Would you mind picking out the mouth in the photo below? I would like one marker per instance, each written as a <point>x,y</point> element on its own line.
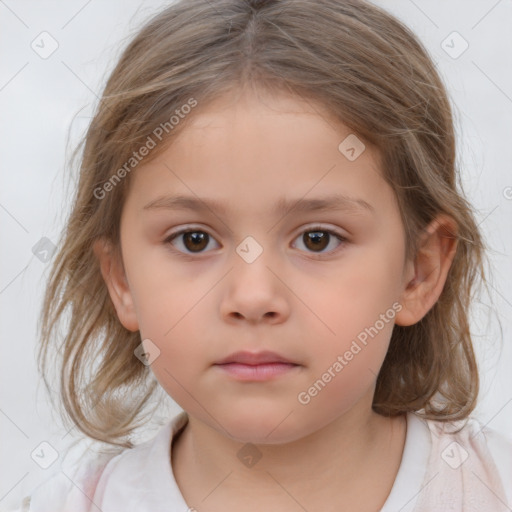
<point>252,366</point>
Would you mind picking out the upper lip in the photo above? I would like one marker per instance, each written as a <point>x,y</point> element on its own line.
<point>254,358</point>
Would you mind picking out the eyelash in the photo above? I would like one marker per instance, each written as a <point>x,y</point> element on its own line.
<point>340,238</point>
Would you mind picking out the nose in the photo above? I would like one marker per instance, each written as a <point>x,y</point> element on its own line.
<point>256,293</point>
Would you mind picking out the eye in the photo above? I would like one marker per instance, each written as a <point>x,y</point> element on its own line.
<point>317,239</point>
<point>193,240</point>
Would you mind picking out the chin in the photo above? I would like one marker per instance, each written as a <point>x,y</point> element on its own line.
<point>263,427</point>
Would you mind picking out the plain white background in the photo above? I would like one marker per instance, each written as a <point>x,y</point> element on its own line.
<point>41,98</point>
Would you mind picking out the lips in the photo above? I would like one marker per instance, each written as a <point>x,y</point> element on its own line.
<point>255,358</point>
<point>256,366</point>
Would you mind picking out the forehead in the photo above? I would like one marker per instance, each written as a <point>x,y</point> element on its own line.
<point>247,149</point>
<point>275,120</point>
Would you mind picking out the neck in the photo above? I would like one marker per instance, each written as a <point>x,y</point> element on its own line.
<point>340,460</point>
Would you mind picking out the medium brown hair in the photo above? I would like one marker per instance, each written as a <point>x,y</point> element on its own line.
<point>349,56</point>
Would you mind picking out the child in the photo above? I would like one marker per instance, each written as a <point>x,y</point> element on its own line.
<point>317,335</point>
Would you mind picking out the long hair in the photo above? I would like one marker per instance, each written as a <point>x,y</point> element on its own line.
<point>372,74</point>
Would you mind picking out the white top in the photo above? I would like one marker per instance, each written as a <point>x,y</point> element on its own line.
<point>466,471</point>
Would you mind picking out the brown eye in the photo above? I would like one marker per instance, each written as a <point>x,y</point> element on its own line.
<point>314,241</point>
<point>192,241</point>
<point>317,240</point>
<point>195,240</point>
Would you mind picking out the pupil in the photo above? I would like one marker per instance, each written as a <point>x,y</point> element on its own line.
<point>318,239</point>
<point>199,240</point>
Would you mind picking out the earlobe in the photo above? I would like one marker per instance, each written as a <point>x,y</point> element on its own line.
<point>113,273</point>
<point>432,262</point>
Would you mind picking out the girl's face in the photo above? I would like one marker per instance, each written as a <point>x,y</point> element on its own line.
<point>269,190</point>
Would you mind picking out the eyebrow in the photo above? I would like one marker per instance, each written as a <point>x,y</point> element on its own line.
<point>336,202</point>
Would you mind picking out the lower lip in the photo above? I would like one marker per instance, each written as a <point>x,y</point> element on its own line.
<point>259,372</point>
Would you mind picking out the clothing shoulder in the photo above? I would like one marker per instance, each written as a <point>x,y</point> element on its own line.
<point>99,481</point>
<point>470,465</point>
<point>72,487</point>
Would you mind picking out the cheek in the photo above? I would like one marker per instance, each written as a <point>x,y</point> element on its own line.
<point>167,315</point>
<point>359,346</point>
<point>355,295</point>
<point>183,352</point>
<point>344,371</point>
<point>162,295</point>
<point>356,309</point>
<point>174,368</point>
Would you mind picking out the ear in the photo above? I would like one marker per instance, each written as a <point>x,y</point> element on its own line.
<point>428,270</point>
<point>113,273</point>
